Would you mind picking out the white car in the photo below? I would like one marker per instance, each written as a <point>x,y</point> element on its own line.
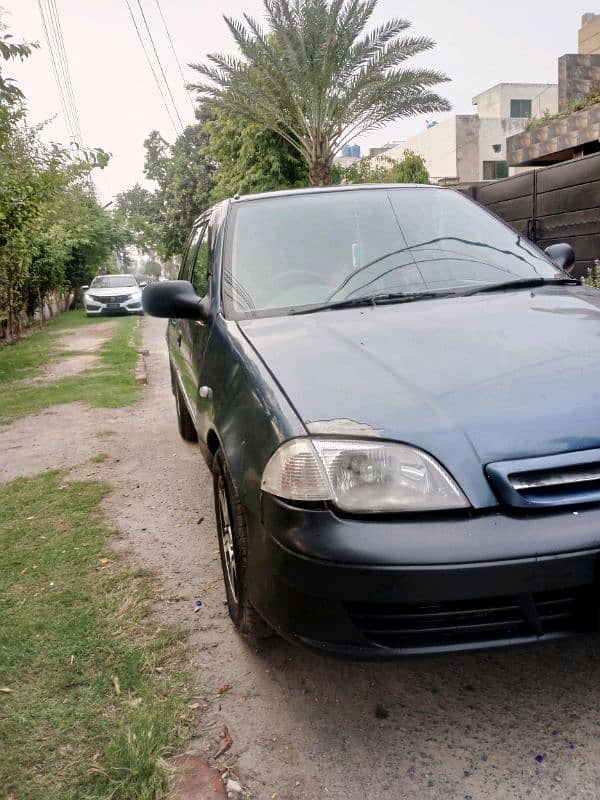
<point>113,294</point>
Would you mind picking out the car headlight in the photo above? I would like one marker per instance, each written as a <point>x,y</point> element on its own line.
<point>357,476</point>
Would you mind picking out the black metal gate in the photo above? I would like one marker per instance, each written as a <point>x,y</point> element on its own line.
<point>560,203</point>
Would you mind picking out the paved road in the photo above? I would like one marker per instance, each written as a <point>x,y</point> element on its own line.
<point>515,724</point>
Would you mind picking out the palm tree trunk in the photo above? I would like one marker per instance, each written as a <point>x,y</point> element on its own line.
<point>319,170</point>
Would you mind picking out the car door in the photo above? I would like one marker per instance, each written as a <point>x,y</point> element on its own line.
<point>178,332</point>
<point>195,333</point>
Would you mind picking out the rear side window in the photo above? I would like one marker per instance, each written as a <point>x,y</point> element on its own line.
<point>202,262</point>
<point>189,258</point>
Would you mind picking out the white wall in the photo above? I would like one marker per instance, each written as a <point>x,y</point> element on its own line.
<point>495,102</point>
<point>496,131</point>
<point>437,146</point>
<point>468,165</point>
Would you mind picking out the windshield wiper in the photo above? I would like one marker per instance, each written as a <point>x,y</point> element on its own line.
<point>370,300</point>
<point>522,283</point>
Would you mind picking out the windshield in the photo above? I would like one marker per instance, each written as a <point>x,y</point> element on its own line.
<point>113,281</point>
<point>297,250</point>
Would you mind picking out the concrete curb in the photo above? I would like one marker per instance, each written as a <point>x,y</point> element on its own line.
<point>141,373</point>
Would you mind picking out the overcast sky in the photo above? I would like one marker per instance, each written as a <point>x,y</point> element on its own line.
<point>479,44</point>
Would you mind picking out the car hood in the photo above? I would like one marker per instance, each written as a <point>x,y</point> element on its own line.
<point>113,291</point>
<point>471,380</point>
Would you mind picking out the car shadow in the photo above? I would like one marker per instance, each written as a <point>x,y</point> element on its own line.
<point>466,725</point>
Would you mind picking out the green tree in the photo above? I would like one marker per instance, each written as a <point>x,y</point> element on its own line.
<point>51,227</point>
<point>139,212</point>
<point>160,221</point>
<point>250,157</point>
<point>316,78</point>
<point>10,94</point>
<point>383,169</point>
<point>152,269</point>
<point>411,169</point>
<point>367,170</point>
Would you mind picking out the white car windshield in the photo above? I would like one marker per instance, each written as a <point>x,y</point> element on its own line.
<point>300,249</point>
<point>113,281</point>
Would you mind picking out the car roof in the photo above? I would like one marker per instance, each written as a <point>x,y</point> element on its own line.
<point>243,198</point>
<point>325,189</point>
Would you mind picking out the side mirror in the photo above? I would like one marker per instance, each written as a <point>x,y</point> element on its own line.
<point>85,287</point>
<point>562,256</point>
<point>143,284</point>
<point>177,299</point>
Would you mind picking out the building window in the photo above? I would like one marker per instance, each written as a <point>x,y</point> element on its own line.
<point>493,170</point>
<point>520,108</point>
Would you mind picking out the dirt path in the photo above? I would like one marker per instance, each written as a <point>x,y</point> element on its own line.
<point>517,724</point>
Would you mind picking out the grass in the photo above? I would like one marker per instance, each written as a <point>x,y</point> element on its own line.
<point>95,700</point>
<point>111,385</point>
<point>22,358</point>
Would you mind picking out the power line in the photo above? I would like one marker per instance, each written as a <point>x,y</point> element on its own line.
<point>164,22</point>
<point>62,75</point>
<point>156,81</point>
<point>162,72</point>
<point>66,72</point>
<point>57,77</point>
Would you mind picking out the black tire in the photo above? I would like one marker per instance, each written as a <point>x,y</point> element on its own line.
<point>233,547</point>
<point>185,423</point>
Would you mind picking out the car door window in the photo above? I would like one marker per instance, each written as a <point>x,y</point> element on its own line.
<point>202,262</point>
<point>189,258</point>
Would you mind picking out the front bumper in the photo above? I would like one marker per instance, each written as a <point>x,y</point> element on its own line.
<point>386,589</point>
<point>97,308</point>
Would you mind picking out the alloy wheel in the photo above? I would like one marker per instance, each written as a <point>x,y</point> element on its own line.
<point>227,541</point>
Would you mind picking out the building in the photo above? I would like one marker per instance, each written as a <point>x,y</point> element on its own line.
<point>350,151</point>
<point>573,132</point>
<point>589,35</point>
<point>467,148</point>
<point>375,151</point>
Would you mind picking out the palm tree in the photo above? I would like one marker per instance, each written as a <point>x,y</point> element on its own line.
<point>317,79</point>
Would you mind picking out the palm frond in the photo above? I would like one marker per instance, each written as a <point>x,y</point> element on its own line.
<point>314,76</point>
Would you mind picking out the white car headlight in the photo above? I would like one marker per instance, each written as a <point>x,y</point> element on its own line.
<point>357,476</point>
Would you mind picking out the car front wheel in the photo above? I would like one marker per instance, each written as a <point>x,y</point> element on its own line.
<point>233,547</point>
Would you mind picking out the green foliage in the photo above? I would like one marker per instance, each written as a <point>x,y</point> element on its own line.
<point>593,275</point>
<point>159,221</point>
<point>71,623</point>
<point>186,187</point>
<point>138,211</point>
<point>250,157</point>
<point>53,232</point>
<point>383,169</point>
<point>411,169</point>
<point>579,105</point>
<point>316,79</point>
<point>366,170</point>
<point>152,269</point>
<point>10,93</point>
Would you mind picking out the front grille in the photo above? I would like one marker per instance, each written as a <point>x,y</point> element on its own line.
<point>104,299</point>
<point>558,480</point>
<point>404,626</point>
<point>549,483</point>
